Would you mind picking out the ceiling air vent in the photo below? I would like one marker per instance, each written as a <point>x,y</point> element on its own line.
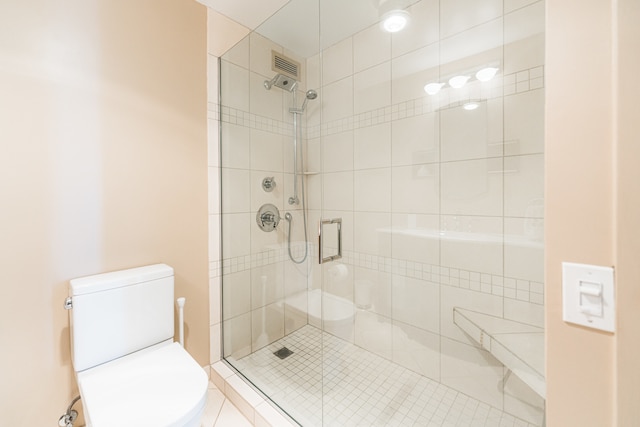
<point>287,66</point>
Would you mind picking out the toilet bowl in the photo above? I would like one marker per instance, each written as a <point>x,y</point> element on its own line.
<point>128,369</point>
<point>162,386</point>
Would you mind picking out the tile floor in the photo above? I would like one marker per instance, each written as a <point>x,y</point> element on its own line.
<point>359,388</point>
<point>220,412</point>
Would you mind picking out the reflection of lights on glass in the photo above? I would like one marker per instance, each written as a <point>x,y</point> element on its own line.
<point>486,74</point>
<point>433,88</point>
<point>458,81</point>
<point>395,20</point>
<point>470,106</point>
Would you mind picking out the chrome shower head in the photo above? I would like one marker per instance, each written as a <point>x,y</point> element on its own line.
<point>283,82</point>
<point>269,83</point>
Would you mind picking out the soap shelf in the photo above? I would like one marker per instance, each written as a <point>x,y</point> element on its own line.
<point>518,346</point>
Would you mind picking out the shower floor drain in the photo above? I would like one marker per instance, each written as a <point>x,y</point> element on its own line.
<point>283,353</point>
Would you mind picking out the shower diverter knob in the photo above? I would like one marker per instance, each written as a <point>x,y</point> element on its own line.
<point>268,217</point>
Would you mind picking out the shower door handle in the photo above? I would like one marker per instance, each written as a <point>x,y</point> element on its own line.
<point>338,222</point>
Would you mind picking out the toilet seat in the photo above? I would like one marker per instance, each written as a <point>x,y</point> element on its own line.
<point>162,386</point>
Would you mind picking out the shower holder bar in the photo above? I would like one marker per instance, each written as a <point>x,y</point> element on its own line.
<point>321,258</point>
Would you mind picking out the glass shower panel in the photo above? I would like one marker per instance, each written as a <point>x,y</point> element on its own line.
<point>427,144</point>
<point>268,254</point>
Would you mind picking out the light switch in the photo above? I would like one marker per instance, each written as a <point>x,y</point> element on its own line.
<point>588,296</point>
<point>591,298</point>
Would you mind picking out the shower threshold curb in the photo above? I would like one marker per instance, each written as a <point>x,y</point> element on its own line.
<point>258,409</point>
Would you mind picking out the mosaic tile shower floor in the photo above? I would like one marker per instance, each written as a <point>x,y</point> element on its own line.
<point>360,388</point>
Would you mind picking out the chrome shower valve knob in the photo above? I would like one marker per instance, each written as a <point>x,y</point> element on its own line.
<point>268,217</point>
<point>268,184</point>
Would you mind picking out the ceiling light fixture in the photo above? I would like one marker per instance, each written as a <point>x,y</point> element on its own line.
<point>395,20</point>
<point>433,88</point>
<point>458,81</point>
<point>393,16</point>
<point>486,74</point>
<point>470,106</point>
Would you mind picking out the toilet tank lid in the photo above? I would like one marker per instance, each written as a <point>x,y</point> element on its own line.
<point>118,279</point>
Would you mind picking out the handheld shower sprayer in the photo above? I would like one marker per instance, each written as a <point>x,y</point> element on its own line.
<point>310,95</point>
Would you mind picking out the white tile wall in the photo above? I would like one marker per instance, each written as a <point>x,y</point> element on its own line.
<point>423,29</point>
<point>473,370</point>
<point>236,232</point>
<point>460,15</point>
<point>416,140</point>
<point>368,238</point>
<point>416,238</point>
<point>416,189</point>
<point>337,102</point>
<point>235,90</point>
<point>416,302</point>
<point>236,147</point>
<point>416,349</point>
<point>523,188</point>
<point>373,333</point>
<point>471,42</point>
<point>267,151</point>
<point>234,195</point>
<point>472,187</point>
<point>267,284</point>
<point>524,123</point>
<point>370,47</point>
<point>410,72</point>
<point>372,190</point>
<point>372,147</point>
<point>524,36</point>
<point>337,153</point>
<point>337,61</point>
<point>372,88</point>
<point>267,325</point>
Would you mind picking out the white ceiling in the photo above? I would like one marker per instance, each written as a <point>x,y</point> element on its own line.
<point>250,13</point>
<point>303,26</point>
<point>306,26</point>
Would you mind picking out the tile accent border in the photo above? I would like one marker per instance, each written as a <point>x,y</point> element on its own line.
<point>508,287</point>
<point>510,84</point>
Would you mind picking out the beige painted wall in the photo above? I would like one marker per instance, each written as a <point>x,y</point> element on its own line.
<point>628,214</point>
<point>592,205</point>
<point>103,167</point>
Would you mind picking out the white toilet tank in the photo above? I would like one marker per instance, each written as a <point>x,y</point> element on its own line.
<point>115,314</point>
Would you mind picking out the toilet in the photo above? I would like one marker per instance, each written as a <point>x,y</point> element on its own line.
<point>129,370</point>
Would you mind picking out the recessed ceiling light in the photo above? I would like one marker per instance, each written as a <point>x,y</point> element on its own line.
<point>395,20</point>
<point>470,106</point>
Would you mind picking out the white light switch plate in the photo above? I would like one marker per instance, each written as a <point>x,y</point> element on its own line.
<point>588,296</point>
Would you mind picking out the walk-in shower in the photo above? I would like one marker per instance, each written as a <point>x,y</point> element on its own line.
<point>432,314</point>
